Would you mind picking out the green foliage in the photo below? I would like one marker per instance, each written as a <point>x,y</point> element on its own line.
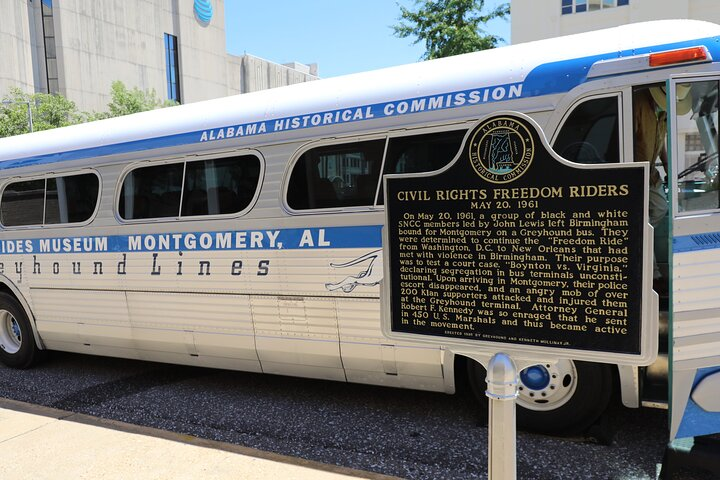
<point>125,102</point>
<point>48,111</point>
<point>449,27</point>
<point>52,111</point>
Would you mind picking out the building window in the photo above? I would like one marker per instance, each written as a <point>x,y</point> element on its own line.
<point>567,6</point>
<point>172,67</point>
<point>51,68</point>
<point>579,6</point>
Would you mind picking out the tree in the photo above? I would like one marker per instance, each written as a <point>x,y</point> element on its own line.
<point>125,102</point>
<point>449,27</point>
<point>52,111</point>
<point>48,111</point>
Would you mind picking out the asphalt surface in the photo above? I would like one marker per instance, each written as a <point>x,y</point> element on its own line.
<point>409,434</point>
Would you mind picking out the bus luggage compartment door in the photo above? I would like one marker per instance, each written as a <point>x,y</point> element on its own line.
<point>214,329</point>
<point>298,335</point>
<point>74,320</point>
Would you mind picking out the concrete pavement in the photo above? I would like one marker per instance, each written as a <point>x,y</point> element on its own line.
<point>42,443</point>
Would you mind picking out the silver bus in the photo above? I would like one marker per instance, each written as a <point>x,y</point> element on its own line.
<point>245,233</point>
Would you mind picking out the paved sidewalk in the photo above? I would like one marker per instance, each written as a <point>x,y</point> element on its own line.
<point>43,443</point>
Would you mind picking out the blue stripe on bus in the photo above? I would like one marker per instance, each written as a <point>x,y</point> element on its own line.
<point>545,79</point>
<point>369,236</point>
<point>697,421</point>
<point>563,76</point>
<point>696,242</point>
<point>104,150</point>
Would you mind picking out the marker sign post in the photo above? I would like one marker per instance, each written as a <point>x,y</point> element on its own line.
<point>511,248</point>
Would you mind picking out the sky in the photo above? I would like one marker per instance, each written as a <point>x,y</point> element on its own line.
<point>341,36</point>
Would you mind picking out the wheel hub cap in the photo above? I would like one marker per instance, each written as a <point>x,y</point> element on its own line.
<point>10,333</point>
<point>16,330</point>
<point>535,377</point>
<point>548,386</point>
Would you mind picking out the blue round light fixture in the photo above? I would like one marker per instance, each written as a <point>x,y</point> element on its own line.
<point>203,11</point>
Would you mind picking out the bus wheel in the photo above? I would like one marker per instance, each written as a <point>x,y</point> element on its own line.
<point>17,344</point>
<point>561,399</point>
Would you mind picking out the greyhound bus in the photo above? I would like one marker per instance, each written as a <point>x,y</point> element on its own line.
<point>245,233</point>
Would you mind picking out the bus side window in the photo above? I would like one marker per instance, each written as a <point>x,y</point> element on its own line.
<point>50,201</point>
<point>591,133</point>
<point>22,203</point>
<point>152,192</point>
<point>421,153</point>
<point>220,186</point>
<point>71,199</point>
<point>333,176</point>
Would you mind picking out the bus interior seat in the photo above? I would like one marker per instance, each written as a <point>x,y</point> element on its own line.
<point>227,200</point>
<point>322,194</point>
<point>140,207</point>
<point>366,189</point>
<point>195,202</point>
<point>582,152</point>
<point>167,205</point>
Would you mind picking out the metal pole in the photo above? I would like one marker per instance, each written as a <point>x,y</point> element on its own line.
<point>30,123</point>
<point>29,109</point>
<point>502,389</point>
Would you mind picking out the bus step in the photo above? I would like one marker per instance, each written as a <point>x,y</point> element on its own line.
<point>655,383</point>
<point>660,405</point>
<point>663,331</point>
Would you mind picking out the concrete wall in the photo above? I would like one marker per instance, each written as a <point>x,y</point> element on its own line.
<point>258,74</point>
<point>203,57</point>
<point>234,74</point>
<point>16,48</point>
<point>538,19</point>
<point>95,47</point>
<point>98,42</point>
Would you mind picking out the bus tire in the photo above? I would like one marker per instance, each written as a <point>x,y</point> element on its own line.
<point>17,342</point>
<point>561,399</point>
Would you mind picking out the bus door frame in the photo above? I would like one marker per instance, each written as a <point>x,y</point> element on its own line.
<point>694,350</point>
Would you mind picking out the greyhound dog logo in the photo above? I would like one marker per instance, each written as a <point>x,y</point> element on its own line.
<point>369,277</point>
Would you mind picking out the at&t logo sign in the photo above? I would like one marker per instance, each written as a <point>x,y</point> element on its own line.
<point>203,11</point>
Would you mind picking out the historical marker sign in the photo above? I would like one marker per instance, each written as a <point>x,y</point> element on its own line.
<point>512,245</point>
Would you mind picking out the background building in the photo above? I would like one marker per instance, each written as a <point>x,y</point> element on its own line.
<point>77,48</point>
<point>538,19</point>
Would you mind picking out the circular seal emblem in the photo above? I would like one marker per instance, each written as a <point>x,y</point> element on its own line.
<point>501,150</point>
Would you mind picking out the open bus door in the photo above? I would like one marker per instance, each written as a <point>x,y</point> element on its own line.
<point>694,277</point>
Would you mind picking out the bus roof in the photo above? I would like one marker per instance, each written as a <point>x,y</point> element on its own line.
<point>518,71</point>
